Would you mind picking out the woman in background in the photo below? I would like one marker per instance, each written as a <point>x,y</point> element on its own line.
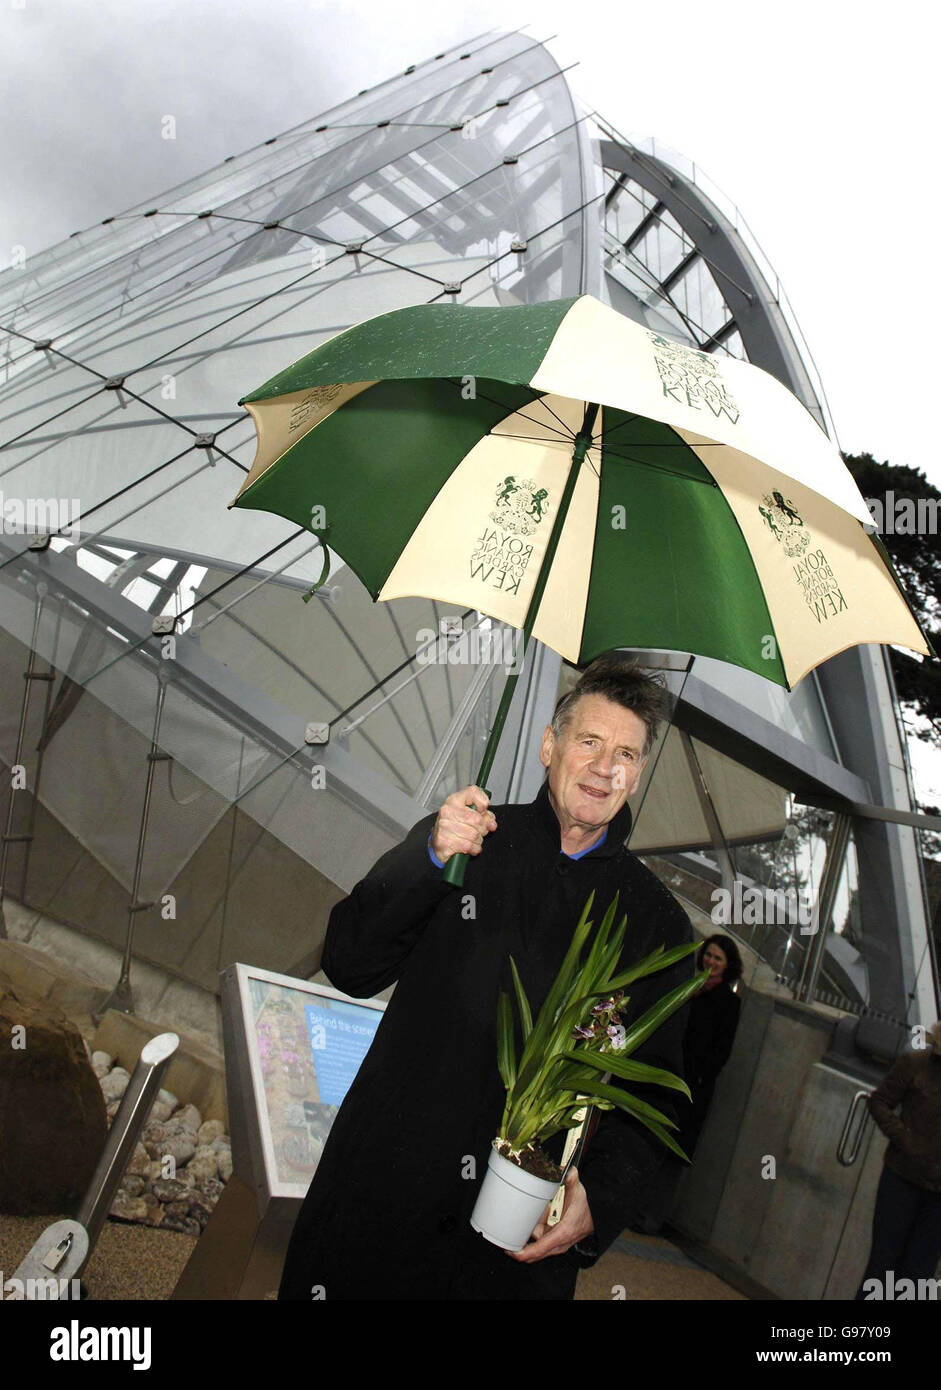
<point>713,1018</point>
<point>710,1031</point>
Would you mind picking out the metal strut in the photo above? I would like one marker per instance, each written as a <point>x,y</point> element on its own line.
<point>9,838</point>
<point>121,997</point>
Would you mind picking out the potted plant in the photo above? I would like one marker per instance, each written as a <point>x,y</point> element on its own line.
<point>576,1044</point>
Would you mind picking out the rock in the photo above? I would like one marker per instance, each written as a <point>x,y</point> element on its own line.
<point>223,1142</point>
<point>175,1211</point>
<point>203,1169</point>
<point>179,1149</point>
<point>225,1165</point>
<point>182,1131</point>
<point>212,1189</point>
<point>153,1129</point>
<point>190,1118</point>
<point>201,1207</point>
<point>111,1109</point>
<point>140,1162</point>
<point>128,1208</point>
<point>114,1084</point>
<point>53,1121</point>
<point>188,1224</point>
<point>167,1098</point>
<point>154,1210</point>
<point>132,1184</point>
<point>101,1063</point>
<point>154,1172</point>
<point>209,1131</point>
<point>170,1190</point>
<point>159,1112</point>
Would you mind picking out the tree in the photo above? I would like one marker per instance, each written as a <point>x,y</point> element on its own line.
<point>907,511</point>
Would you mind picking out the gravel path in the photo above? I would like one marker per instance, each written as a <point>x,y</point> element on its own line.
<point>129,1261</point>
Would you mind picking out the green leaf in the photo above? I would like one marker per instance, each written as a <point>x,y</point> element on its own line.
<point>625,1101</point>
<point>649,1022</point>
<point>591,972</point>
<point>536,1044</point>
<point>663,1135</point>
<point>506,1051</point>
<point>522,1003</point>
<point>629,1070</point>
<point>657,960</point>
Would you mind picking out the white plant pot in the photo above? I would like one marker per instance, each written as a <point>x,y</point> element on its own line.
<point>510,1202</point>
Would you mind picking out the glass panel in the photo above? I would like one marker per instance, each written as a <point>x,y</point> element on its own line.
<point>662,247</point>
<point>628,208</point>
<point>799,712</point>
<point>698,298</point>
<point>733,345</point>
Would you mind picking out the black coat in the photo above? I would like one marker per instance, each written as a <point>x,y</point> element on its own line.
<point>710,1033</point>
<point>386,1215</point>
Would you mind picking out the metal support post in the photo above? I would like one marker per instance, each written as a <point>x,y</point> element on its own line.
<point>121,997</point>
<point>29,675</point>
<point>823,907</point>
<point>710,814</point>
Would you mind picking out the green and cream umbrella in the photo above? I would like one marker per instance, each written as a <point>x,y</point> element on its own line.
<point>569,472</point>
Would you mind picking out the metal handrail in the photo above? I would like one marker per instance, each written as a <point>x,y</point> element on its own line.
<point>122,1138</point>
<point>847,1152</point>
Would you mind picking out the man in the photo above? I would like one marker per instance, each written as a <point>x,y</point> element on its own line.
<point>387,1213</point>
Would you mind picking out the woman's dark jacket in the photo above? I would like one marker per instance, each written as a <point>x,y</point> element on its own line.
<point>914,1151</point>
<point>710,1032</point>
<point>386,1216</point>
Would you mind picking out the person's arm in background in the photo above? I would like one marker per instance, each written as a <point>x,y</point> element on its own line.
<point>371,933</point>
<point>885,1098</point>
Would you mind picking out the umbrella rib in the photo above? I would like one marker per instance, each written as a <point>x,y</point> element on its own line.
<point>541,400</point>
<point>532,439</point>
<point>565,433</point>
<point>540,425</point>
<point>659,468</point>
<point>680,443</point>
<point>620,425</point>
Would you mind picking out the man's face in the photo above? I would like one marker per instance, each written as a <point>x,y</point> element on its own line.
<point>596,763</point>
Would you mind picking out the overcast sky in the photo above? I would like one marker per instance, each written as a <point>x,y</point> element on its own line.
<point>819,121</point>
